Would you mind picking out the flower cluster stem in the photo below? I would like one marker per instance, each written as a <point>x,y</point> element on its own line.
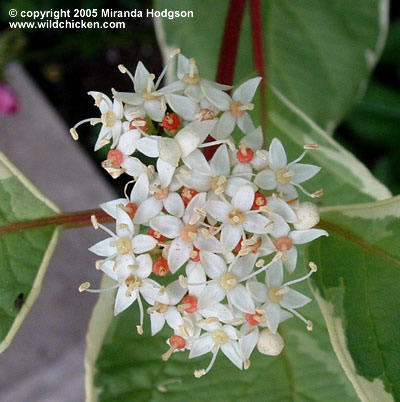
<point>68,220</point>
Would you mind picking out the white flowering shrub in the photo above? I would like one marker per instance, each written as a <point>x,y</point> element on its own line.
<point>209,258</point>
<point>222,230</point>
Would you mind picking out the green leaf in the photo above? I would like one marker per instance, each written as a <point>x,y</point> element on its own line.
<point>319,53</point>
<point>357,288</point>
<point>124,366</point>
<point>24,255</point>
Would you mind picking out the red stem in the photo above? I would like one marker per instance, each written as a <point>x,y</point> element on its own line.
<point>258,55</point>
<point>68,221</point>
<point>230,42</point>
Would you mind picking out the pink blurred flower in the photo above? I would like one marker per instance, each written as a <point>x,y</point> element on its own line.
<point>9,103</point>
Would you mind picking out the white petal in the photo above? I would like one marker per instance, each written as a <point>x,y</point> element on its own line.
<point>210,296</point>
<point>134,167</point>
<point>168,226</point>
<point>145,265</point>
<point>150,290</point>
<point>197,162</point>
<point>154,109</point>
<point>183,106</point>
<point>196,277</point>
<point>258,291</point>
<point>218,310</point>
<point>225,126</point>
<point>197,201</point>
<point>217,97</point>
<point>230,236</point>
<point>147,210</point>
<point>291,260</point>
<point>202,128</point>
<point>213,264</point>
<point>266,179</point>
<point>140,190</point>
<point>219,210</point>
<point>243,265</point>
<point>245,123</point>
<point>212,244</point>
<point>307,235</point>
<point>129,98</point>
<point>157,322</point>
<point>235,184</point>
<point>169,150</point>
<point>141,77</point>
<point>203,345</point>
<point>148,146</point>
<point>179,253</point>
<point>110,207</point>
<point>196,181</point>
<point>176,86</point>
<point>188,141</point>
<point>103,248</point>
<point>142,243</point>
<point>244,198</point>
<point>183,66</point>
<point>282,208</point>
<point>108,268</point>
<point>231,351</point>
<point>256,223</point>
<point>219,163</point>
<point>303,172</point>
<point>277,154</point>
<point>241,299</point>
<point>165,172</point>
<point>124,224</point>
<point>272,311</point>
<point>122,302</point>
<point>127,142</point>
<point>245,93</point>
<point>175,292</point>
<point>279,228</point>
<point>174,319</point>
<point>249,341</point>
<point>254,140</point>
<point>174,205</point>
<point>294,299</point>
<point>194,92</point>
<point>275,275</point>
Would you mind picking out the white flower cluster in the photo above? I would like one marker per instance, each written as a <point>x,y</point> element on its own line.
<point>222,228</point>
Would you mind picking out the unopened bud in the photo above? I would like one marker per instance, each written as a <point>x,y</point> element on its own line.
<point>270,344</point>
<point>307,216</point>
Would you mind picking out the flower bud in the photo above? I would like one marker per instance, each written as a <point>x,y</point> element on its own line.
<point>307,216</point>
<point>269,343</point>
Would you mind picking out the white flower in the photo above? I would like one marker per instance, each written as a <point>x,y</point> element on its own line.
<point>111,115</point>
<point>226,281</point>
<point>163,197</point>
<point>170,151</point>
<point>234,109</point>
<point>217,337</point>
<point>283,176</point>
<point>145,95</point>
<point>164,309</point>
<point>185,232</point>
<point>122,246</point>
<point>237,216</point>
<point>285,240</point>
<point>250,154</point>
<point>250,331</point>
<point>277,295</point>
<point>211,176</point>
<point>190,83</point>
<point>119,160</point>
